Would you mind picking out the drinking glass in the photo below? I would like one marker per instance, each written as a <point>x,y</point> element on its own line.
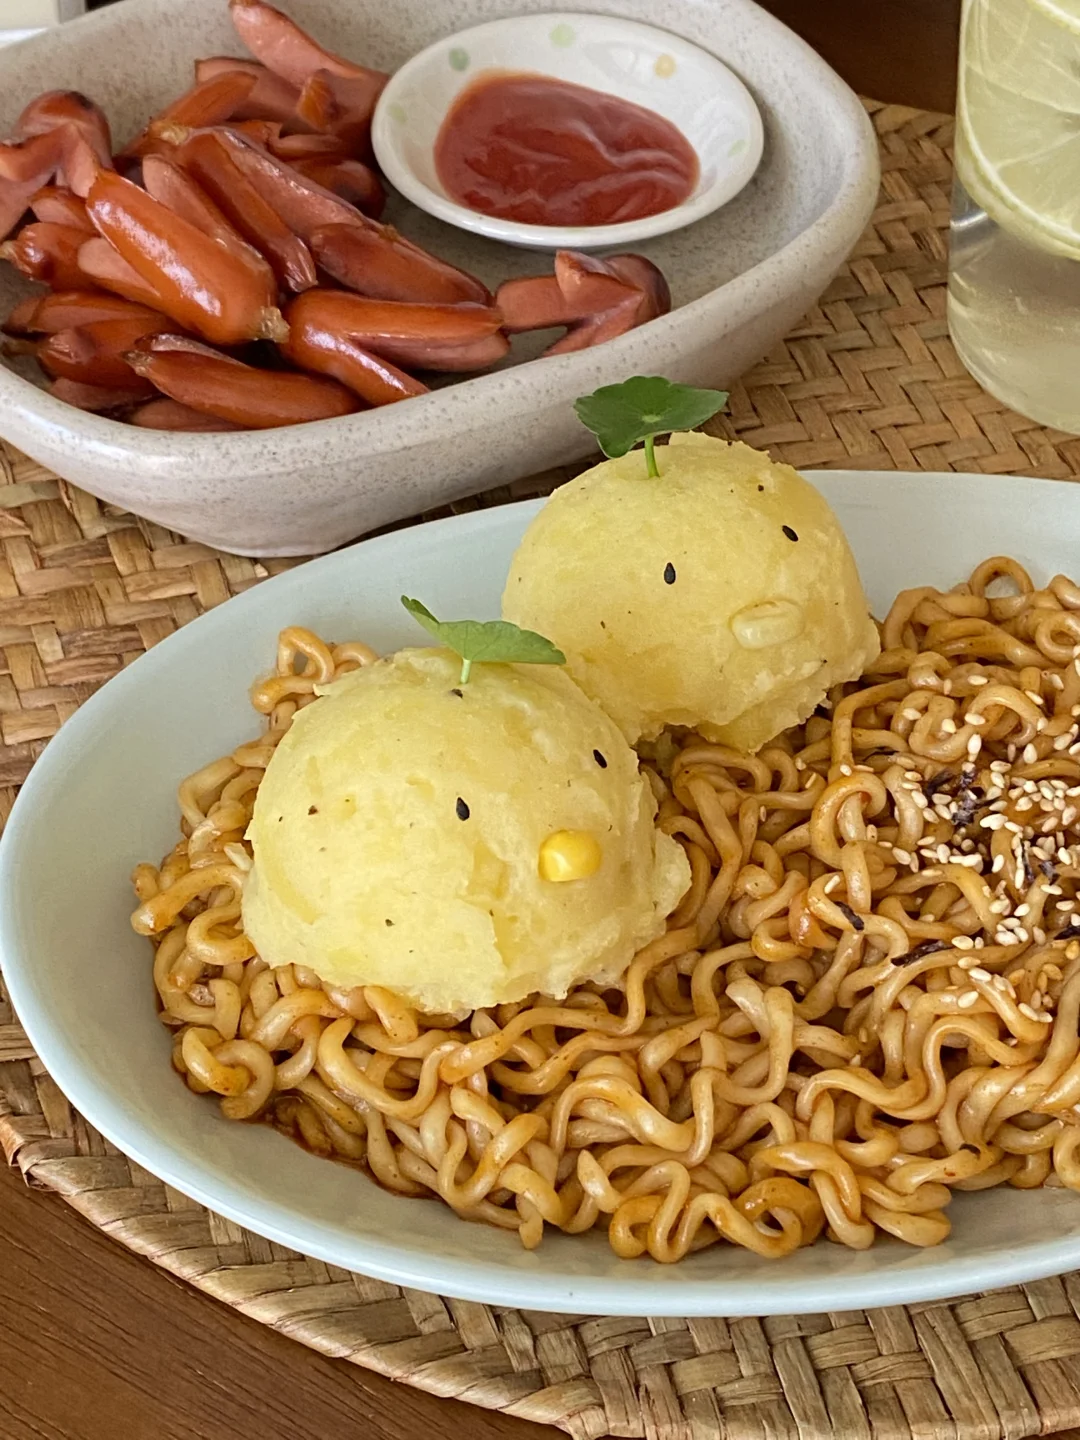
<point>1014,277</point>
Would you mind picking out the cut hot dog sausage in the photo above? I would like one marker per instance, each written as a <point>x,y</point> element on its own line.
<point>206,156</point>
<point>106,267</point>
<point>94,354</point>
<point>272,97</point>
<point>71,309</point>
<point>329,351</point>
<point>225,292</point>
<point>351,179</point>
<point>61,206</point>
<point>49,253</point>
<point>430,337</point>
<point>376,261</point>
<point>201,378</point>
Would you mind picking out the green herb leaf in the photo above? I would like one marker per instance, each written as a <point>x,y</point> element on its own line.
<point>642,407</point>
<point>491,641</point>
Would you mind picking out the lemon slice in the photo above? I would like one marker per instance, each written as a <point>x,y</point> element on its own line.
<point>1018,118</point>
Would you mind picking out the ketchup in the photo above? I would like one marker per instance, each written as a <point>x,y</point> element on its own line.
<point>544,152</point>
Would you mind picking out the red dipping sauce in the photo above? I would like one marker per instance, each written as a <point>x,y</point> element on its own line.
<point>545,152</point>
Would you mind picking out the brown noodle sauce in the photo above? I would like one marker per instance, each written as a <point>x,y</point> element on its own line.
<point>868,998</point>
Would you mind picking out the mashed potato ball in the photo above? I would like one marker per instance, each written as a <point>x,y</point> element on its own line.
<point>721,596</point>
<point>461,845</point>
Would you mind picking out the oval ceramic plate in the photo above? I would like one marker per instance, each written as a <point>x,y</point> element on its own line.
<point>102,797</point>
<point>652,68</point>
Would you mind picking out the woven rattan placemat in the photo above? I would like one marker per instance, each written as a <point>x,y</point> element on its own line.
<point>868,380</point>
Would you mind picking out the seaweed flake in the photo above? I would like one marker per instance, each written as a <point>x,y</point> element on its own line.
<point>849,914</point>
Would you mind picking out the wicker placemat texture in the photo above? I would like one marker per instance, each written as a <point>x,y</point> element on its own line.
<point>868,380</point>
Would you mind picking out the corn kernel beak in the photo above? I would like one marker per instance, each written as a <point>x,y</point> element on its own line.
<point>570,855</point>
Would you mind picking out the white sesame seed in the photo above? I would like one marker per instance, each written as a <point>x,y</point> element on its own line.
<point>1055,680</point>
<point>1022,910</point>
<point>1034,697</point>
<point>1026,1010</point>
<point>948,727</point>
<point>903,856</point>
<point>1038,935</point>
<point>992,822</point>
<point>910,714</point>
<point>845,769</point>
<point>920,799</point>
<point>1062,742</point>
<point>998,865</point>
<point>946,688</point>
<point>974,745</point>
<point>966,1001</point>
<point>1003,938</point>
<point>1036,999</point>
<point>963,942</point>
<point>1010,750</point>
<point>974,718</point>
<point>978,680</point>
<point>943,854</point>
<point>1045,1019</point>
<point>800,763</point>
<point>1022,937</point>
<point>979,974</point>
<point>1025,803</point>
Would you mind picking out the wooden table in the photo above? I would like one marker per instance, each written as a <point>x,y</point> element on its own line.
<point>95,1344</point>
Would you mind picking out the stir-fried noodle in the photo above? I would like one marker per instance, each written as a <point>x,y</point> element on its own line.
<point>869,996</point>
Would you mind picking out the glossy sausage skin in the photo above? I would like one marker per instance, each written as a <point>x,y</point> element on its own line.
<point>208,159</point>
<point>218,385</point>
<point>72,309</point>
<point>94,354</point>
<point>225,292</point>
<point>166,414</point>
<point>49,253</point>
<point>313,345</point>
<point>352,180</point>
<point>374,260</point>
<point>429,337</point>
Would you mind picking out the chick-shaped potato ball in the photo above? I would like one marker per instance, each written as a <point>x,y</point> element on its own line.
<point>722,596</point>
<point>458,844</point>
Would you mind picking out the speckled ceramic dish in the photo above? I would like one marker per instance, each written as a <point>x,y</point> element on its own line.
<point>649,67</point>
<point>739,279</point>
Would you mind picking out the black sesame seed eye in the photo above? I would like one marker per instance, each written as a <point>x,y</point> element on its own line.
<point>669,574</point>
<point>457,692</point>
<point>596,755</point>
<point>462,809</point>
<point>312,809</point>
<point>790,533</point>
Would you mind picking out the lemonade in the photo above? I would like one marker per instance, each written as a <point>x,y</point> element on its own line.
<point>1014,284</point>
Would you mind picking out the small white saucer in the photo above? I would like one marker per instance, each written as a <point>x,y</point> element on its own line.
<point>650,67</point>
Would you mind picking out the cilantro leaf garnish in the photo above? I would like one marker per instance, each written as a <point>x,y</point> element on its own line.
<point>642,408</point>
<point>494,641</point>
